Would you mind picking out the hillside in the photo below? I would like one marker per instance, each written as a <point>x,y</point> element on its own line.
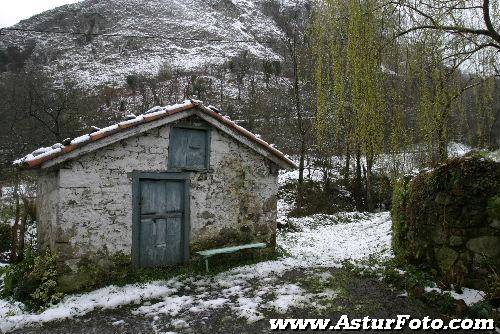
<point>194,29</point>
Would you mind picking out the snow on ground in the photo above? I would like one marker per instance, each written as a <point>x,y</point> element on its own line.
<point>469,296</point>
<point>312,245</point>
<point>319,241</point>
<point>495,155</point>
<point>458,149</point>
<point>326,240</point>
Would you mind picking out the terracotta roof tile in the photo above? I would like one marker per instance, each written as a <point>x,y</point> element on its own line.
<point>42,155</point>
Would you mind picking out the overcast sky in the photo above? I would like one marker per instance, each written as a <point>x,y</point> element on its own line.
<point>13,11</point>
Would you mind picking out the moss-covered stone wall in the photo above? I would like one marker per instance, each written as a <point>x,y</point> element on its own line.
<point>448,220</point>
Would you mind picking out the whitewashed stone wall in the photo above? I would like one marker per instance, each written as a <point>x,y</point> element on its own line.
<point>89,214</point>
<point>47,204</point>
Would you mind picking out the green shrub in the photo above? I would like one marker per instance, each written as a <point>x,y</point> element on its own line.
<point>319,197</point>
<point>481,310</point>
<point>494,207</point>
<point>443,301</point>
<point>33,281</point>
<point>116,269</point>
<point>5,239</point>
<point>398,214</point>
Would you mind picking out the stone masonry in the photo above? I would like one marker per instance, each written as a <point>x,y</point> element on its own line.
<point>448,219</point>
<point>86,203</point>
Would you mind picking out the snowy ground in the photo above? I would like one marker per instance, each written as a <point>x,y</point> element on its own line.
<point>320,242</point>
<point>314,247</point>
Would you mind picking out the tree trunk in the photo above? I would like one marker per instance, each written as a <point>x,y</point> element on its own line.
<point>300,186</point>
<point>442,143</point>
<point>347,167</point>
<point>369,182</point>
<point>358,196</point>
<point>22,231</point>
<point>15,229</point>
<point>309,168</point>
<point>300,123</point>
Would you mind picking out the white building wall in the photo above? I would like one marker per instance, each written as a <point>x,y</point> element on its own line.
<point>234,202</point>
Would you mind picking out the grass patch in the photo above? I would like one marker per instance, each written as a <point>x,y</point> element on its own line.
<point>344,282</point>
<point>122,271</point>
<point>37,283</point>
<point>413,280</point>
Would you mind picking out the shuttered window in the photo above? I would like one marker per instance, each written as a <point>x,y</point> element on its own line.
<point>188,148</point>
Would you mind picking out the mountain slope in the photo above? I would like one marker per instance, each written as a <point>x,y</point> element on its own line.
<point>191,27</point>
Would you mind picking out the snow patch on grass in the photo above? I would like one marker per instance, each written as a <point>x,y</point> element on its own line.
<point>247,308</point>
<point>248,291</point>
<point>13,317</point>
<point>469,296</point>
<point>328,240</point>
<point>287,296</point>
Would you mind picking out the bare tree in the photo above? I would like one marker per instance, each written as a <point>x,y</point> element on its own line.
<point>295,22</point>
<point>470,26</point>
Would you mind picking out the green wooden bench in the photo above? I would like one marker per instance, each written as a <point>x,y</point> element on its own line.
<point>227,250</point>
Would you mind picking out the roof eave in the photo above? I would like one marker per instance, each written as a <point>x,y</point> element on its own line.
<point>130,128</point>
<point>283,161</point>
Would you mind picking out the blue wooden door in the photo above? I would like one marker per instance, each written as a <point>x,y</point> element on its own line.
<point>161,222</point>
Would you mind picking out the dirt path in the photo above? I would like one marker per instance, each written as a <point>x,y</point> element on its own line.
<point>319,293</point>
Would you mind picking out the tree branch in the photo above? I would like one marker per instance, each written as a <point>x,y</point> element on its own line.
<point>489,32</point>
<point>451,29</point>
<point>487,20</point>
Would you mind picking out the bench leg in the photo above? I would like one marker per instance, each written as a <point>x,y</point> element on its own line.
<point>206,264</point>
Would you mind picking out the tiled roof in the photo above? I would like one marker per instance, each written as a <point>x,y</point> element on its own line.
<point>42,155</point>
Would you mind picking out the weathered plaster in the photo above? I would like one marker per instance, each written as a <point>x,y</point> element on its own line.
<point>47,202</point>
<point>91,213</point>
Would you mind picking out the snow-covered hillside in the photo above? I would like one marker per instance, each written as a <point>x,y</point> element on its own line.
<point>197,31</point>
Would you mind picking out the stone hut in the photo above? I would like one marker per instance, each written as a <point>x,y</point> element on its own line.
<point>157,187</point>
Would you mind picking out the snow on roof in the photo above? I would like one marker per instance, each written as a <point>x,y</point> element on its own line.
<point>39,156</point>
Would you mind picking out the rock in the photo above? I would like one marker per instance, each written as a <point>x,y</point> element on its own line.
<point>495,313</point>
<point>443,199</point>
<point>452,221</point>
<point>495,224</point>
<point>439,236</point>
<point>494,207</point>
<point>486,245</point>
<point>465,257</point>
<point>446,257</point>
<point>456,240</point>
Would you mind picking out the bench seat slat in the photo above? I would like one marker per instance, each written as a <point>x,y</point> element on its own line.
<point>225,250</point>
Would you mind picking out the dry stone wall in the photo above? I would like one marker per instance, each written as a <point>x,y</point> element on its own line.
<point>448,219</point>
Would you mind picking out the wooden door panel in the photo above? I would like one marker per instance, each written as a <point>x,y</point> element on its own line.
<point>161,219</point>
<point>152,197</point>
<point>147,253</point>
<point>173,197</point>
<point>188,148</point>
<point>196,149</point>
<point>177,150</point>
<point>173,240</point>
